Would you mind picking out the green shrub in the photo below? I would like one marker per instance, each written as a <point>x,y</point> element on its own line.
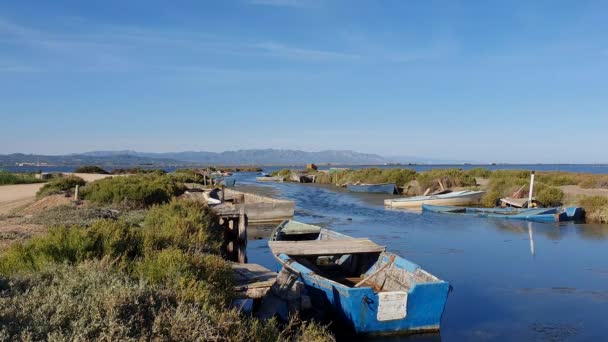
<point>91,169</point>
<point>188,225</point>
<point>7,178</point>
<point>137,191</point>
<point>550,196</point>
<point>60,185</point>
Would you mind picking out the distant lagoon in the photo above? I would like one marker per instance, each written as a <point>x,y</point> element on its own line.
<point>585,168</point>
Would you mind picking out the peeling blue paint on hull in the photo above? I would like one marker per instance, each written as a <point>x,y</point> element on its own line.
<point>361,307</point>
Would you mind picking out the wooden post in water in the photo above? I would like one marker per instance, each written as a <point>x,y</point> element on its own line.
<point>531,190</point>
<point>242,233</point>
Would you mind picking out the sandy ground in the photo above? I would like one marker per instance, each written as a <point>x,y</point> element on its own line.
<point>13,197</point>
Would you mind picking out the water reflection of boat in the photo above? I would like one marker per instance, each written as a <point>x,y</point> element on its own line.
<point>384,188</point>
<point>369,289</point>
<point>530,214</point>
<point>463,197</point>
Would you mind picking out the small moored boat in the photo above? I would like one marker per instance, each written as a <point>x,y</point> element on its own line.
<point>464,197</point>
<point>269,179</point>
<point>228,181</point>
<point>384,188</point>
<point>530,214</point>
<point>369,289</point>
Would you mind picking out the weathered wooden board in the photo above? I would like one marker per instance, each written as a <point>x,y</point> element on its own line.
<point>248,274</point>
<point>325,247</point>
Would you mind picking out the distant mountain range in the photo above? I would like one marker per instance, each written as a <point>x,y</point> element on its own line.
<point>258,157</point>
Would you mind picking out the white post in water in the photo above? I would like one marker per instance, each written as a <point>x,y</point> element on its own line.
<point>531,190</point>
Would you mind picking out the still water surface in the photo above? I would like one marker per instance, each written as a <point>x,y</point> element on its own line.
<point>511,280</point>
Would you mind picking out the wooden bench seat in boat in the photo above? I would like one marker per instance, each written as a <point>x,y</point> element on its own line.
<point>325,247</point>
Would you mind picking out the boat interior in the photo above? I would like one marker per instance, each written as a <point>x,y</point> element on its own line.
<point>375,268</point>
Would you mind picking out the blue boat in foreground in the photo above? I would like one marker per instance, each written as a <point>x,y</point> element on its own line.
<point>384,188</point>
<point>529,214</point>
<point>367,288</point>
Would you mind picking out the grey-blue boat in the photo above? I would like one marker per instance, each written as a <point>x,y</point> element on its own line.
<point>529,214</point>
<point>367,288</point>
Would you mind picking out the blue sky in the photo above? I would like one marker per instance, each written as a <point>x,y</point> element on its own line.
<point>504,81</point>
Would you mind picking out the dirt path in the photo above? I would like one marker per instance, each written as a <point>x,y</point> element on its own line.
<point>16,196</point>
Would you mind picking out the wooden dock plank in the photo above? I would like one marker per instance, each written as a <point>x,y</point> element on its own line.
<point>325,247</point>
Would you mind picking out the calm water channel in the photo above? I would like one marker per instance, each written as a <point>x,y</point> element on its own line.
<point>511,280</point>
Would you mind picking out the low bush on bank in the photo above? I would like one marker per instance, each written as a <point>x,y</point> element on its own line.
<point>60,185</point>
<point>91,169</point>
<point>370,175</point>
<point>137,191</point>
<point>187,225</point>
<point>7,178</point>
<point>118,281</point>
<point>596,208</point>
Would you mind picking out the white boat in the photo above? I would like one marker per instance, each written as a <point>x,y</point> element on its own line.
<point>464,197</point>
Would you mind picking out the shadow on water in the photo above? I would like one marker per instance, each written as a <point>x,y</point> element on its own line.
<point>512,280</point>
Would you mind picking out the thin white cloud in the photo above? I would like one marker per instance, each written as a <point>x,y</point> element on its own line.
<point>281,50</point>
<point>105,48</point>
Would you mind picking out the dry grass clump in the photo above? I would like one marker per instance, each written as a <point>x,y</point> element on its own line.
<point>137,191</point>
<point>71,215</point>
<point>91,169</point>
<point>60,185</point>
